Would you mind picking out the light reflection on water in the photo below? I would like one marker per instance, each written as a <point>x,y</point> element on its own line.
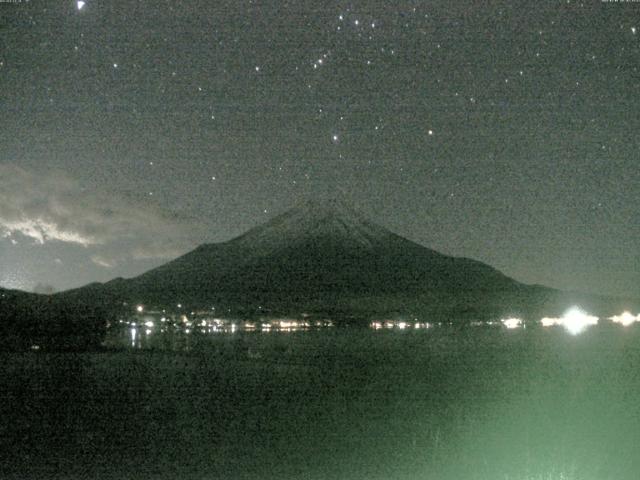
<point>180,335</point>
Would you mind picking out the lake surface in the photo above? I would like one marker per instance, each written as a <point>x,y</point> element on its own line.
<point>343,403</point>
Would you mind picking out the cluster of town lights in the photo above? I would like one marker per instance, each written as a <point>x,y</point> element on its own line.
<point>574,320</point>
<point>625,319</point>
<point>396,324</point>
<point>182,322</point>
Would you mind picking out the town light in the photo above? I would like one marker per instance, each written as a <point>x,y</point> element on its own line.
<point>550,322</point>
<point>625,319</point>
<point>575,320</point>
<point>511,322</point>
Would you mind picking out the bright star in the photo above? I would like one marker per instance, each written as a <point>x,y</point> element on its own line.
<point>80,4</point>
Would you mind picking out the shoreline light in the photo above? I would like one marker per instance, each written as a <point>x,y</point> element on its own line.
<point>550,322</point>
<point>574,320</point>
<point>625,319</point>
<point>511,322</point>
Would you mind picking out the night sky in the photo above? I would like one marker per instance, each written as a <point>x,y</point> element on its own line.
<point>505,131</point>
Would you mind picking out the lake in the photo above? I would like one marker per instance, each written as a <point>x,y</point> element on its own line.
<point>325,403</point>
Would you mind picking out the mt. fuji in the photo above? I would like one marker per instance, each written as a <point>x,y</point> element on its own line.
<point>324,257</point>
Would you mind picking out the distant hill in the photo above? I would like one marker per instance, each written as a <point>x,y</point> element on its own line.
<point>29,320</point>
<point>326,258</point>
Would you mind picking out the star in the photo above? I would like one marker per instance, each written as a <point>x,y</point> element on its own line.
<point>633,30</point>
<point>80,5</point>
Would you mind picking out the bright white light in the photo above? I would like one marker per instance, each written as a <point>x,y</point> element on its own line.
<point>511,322</point>
<point>402,325</point>
<point>625,319</point>
<point>575,321</point>
<point>550,322</point>
<point>139,309</point>
<point>80,4</point>
<point>430,132</point>
<point>633,30</point>
<point>149,323</point>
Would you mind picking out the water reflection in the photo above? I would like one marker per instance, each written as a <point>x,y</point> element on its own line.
<point>134,334</point>
<point>177,333</point>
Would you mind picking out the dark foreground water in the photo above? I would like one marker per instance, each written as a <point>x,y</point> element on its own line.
<point>331,404</point>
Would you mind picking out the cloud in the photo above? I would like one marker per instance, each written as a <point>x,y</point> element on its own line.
<point>101,261</point>
<point>56,208</point>
<point>41,230</point>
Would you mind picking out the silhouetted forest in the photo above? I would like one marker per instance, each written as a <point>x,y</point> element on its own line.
<point>31,321</point>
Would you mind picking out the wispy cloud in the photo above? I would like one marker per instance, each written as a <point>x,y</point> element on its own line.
<point>56,208</point>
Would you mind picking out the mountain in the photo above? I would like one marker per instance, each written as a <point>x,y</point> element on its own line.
<point>324,258</point>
